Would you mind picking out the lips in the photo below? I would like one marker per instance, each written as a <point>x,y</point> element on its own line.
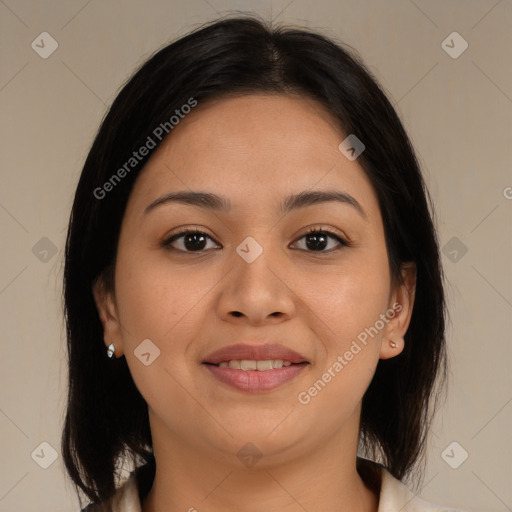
<point>242,351</point>
<point>252,380</point>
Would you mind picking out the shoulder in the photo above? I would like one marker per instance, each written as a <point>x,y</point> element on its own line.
<point>126,499</point>
<point>394,495</point>
<point>129,496</point>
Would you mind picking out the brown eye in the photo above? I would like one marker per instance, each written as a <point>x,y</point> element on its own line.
<point>188,241</point>
<point>317,240</point>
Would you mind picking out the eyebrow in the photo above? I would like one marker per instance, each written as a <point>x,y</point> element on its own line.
<point>293,202</point>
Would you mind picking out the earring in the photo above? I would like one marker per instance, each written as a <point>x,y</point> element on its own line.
<point>110,351</point>
<point>393,344</point>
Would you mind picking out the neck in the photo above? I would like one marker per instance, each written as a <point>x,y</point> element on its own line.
<point>194,478</point>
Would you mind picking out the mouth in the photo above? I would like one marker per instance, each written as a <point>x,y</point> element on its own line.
<point>262,353</point>
<point>255,375</point>
<point>252,364</point>
<point>255,367</point>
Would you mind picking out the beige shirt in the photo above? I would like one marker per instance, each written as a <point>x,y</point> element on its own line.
<point>394,497</point>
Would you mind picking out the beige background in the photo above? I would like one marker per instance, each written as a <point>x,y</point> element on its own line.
<point>458,113</point>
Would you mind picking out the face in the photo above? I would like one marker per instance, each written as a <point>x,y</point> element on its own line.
<point>311,275</point>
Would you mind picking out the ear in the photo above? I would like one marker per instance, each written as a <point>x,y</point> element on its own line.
<point>107,310</point>
<point>399,312</point>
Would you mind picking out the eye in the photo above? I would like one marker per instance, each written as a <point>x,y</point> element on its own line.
<point>316,240</point>
<point>188,240</point>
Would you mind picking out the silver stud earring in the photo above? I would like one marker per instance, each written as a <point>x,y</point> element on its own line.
<point>110,351</point>
<point>393,344</point>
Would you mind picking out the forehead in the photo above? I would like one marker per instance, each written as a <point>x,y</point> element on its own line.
<point>239,128</point>
<point>251,148</point>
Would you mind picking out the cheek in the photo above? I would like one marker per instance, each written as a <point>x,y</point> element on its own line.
<point>157,299</point>
<point>349,300</point>
<point>162,304</point>
<point>341,377</point>
<point>347,305</point>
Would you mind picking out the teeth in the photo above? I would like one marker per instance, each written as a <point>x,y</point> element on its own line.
<point>246,364</point>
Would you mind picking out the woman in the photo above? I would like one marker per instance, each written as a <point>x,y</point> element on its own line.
<point>253,290</point>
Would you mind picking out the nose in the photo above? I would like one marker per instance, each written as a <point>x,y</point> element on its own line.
<point>256,293</point>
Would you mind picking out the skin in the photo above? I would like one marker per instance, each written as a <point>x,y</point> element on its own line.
<point>254,150</point>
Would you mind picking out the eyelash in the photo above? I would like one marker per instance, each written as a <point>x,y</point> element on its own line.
<point>342,241</point>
